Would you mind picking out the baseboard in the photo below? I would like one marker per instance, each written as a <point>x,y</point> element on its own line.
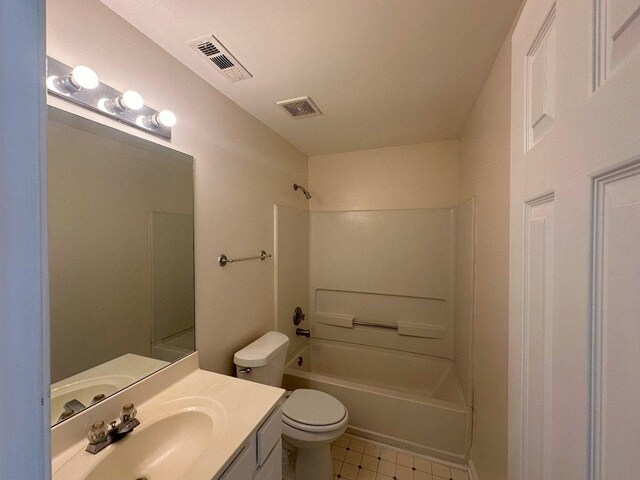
<point>446,458</point>
<point>473,474</point>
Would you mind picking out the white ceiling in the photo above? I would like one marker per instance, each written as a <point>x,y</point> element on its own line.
<point>384,72</point>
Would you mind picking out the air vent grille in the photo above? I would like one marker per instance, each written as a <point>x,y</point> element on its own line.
<point>218,56</point>
<point>222,61</point>
<point>208,48</point>
<point>300,107</point>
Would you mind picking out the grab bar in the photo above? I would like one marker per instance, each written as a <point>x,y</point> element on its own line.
<point>223,259</point>
<point>377,325</point>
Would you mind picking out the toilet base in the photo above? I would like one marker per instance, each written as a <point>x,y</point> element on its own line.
<point>313,451</point>
<point>314,463</point>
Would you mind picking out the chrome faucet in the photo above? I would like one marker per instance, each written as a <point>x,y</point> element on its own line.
<point>102,435</point>
<point>71,408</point>
<point>303,332</point>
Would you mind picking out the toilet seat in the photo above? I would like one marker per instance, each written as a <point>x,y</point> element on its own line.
<point>313,411</point>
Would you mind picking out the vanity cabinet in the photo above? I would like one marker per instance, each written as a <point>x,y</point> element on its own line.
<point>271,469</point>
<point>261,457</point>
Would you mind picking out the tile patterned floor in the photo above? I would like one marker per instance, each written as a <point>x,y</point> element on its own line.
<point>355,458</point>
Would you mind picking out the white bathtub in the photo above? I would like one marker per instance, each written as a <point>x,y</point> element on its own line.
<point>409,400</point>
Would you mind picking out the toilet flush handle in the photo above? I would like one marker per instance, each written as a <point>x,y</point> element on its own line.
<point>246,370</point>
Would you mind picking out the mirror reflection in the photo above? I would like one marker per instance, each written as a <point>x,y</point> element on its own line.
<point>120,260</point>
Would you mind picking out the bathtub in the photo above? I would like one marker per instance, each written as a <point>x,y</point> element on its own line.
<point>408,400</point>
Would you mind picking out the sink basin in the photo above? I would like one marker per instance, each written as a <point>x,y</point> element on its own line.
<point>163,447</point>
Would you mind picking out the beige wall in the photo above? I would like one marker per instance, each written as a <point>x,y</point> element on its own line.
<point>424,175</point>
<point>484,173</point>
<point>242,168</point>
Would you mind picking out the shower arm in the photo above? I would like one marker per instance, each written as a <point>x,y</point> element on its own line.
<point>303,190</point>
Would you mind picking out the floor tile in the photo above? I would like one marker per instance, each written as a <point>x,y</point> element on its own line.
<point>349,472</point>
<point>338,453</point>
<point>383,477</point>
<point>372,450</point>
<point>387,468</point>
<point>354,458</point>
<point>418,475</point>
<point>405,459</point>
<point>403,473</point>
<point>356,445</point>
<point>388,454</point>
<point>370,463</point>
<point>439,470</point>
<point>422,464</point>
<point>366,475</point>
<point>342,441</point>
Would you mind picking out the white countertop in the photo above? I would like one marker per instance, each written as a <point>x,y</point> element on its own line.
<point>237,408</point>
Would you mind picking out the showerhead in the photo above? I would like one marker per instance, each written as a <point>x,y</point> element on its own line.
<point>302,189</point>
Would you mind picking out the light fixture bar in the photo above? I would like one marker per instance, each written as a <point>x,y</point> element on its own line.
<point>100,98</point>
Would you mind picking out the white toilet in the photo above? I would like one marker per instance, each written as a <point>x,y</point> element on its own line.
<point>311,419</point>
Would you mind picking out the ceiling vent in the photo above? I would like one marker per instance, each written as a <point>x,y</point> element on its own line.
<point>300,107</point>
<point>209,48</point>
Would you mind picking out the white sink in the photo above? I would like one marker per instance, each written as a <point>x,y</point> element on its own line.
<point>170,440</point>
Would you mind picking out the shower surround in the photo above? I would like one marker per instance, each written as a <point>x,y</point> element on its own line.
<point>390,308</point>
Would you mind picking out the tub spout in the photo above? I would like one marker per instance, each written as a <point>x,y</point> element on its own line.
<point>303,332</point>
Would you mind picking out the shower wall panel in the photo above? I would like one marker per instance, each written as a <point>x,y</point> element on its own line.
<point>385,267</point>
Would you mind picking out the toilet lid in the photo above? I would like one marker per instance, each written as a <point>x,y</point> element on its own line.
<point>312,407</point>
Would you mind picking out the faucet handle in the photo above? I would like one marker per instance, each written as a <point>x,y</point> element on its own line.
<point>97,433</point>
<point>128,412</point>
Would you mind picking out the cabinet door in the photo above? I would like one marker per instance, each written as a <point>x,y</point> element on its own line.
<point>271,469</point>
<point>244,465</point>
<point>269,434</point>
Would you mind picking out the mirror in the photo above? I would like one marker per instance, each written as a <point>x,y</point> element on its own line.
<point>120,260</point>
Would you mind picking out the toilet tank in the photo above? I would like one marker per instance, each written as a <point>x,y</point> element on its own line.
<point>263,360</point>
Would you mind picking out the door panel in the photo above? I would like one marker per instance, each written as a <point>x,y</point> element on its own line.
<point>574,386</point>
<point>538,341</point>
<point>617,33</point>
<point>616,324</point>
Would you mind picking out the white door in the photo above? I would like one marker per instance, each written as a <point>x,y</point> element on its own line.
<point>574,352</point>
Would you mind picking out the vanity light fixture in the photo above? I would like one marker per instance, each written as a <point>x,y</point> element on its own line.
<point>80,78</point>
<point>80,85</point>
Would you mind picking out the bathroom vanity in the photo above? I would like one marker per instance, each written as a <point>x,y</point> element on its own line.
<point>193,425</point>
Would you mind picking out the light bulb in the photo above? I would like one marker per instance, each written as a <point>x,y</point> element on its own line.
<point>84,77</point>
<point>52,82</point>
<point>166,118</point>
<point>80,78</point>
<point>131,100</point>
